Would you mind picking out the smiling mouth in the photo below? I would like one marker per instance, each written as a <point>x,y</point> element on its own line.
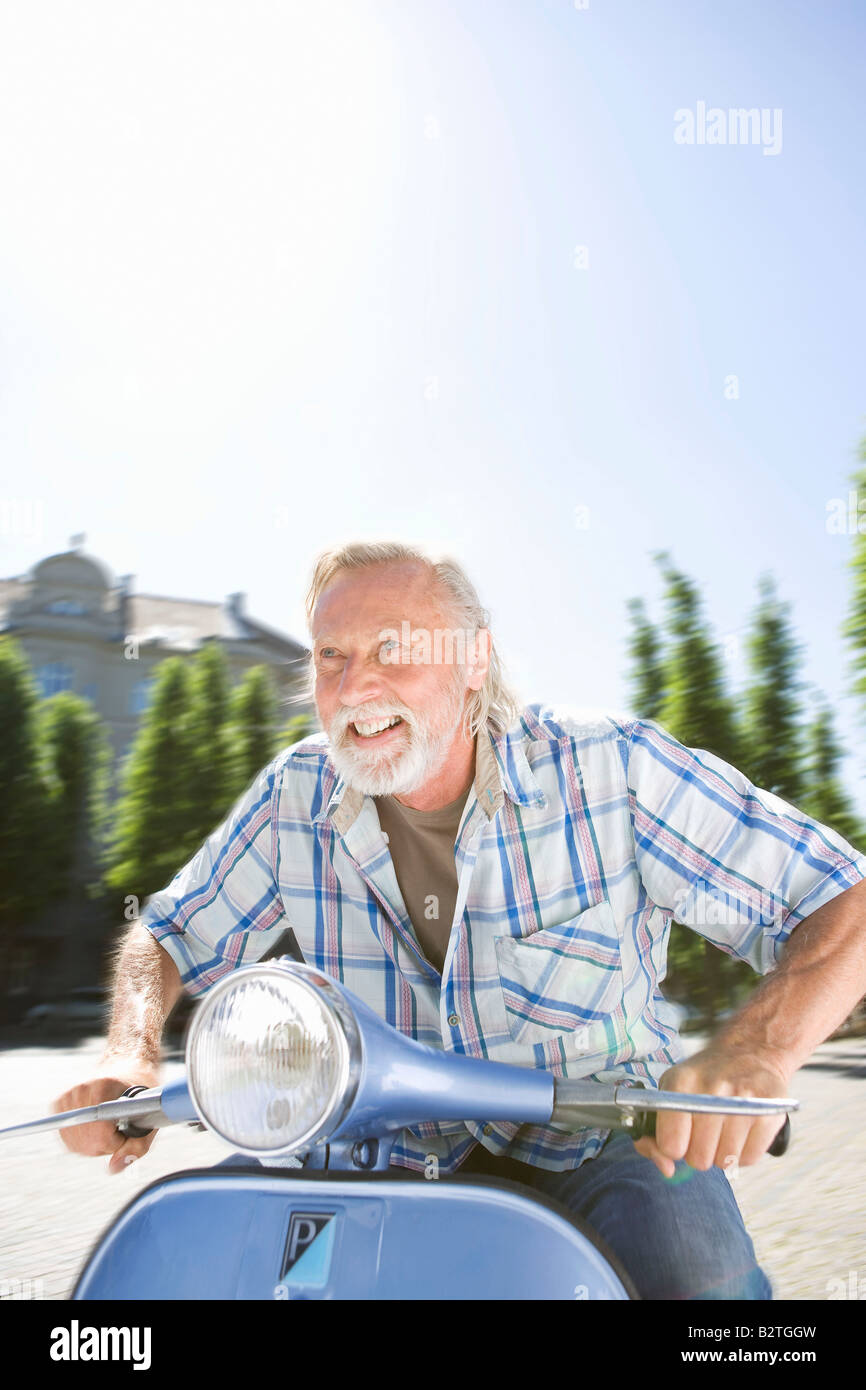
<point>375,730</point>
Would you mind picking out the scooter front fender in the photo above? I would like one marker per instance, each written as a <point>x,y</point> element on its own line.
<point>252,1233</point>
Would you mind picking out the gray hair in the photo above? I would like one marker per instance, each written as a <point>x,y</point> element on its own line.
<point>496,703</point>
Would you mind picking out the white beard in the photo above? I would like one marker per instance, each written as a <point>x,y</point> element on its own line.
<point>402,768</point>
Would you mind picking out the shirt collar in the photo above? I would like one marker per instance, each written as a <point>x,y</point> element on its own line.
<point>501,769</point>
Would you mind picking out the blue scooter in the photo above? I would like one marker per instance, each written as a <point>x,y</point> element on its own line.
<point>310,1088</point>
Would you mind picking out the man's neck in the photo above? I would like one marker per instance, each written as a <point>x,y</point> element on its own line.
<point>454,779</point>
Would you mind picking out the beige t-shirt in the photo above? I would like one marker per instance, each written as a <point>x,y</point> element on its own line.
<point>422,850</point>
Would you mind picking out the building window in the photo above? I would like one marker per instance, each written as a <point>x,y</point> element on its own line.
<point>69,607</point>
<point>140,695</point>
<point>53,677</point>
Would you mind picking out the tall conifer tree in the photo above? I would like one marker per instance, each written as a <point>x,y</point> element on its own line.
<point>25,788</point>
<point>209,727</point>
<point>157,820</point>
<point>79,757</point>
<point>697,708</point>
<point>824,796</point>
<point>253,726</point>
<point>648,679</point>
<point>773,751</point>
<point>854,627</point>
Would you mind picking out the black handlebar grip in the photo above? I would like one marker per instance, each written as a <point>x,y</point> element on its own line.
<point>128,1127</point>
<point>645,1127</point>
<point>782,1139</point>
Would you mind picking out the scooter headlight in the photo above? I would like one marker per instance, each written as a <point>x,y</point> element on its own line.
<point>272,1058</point>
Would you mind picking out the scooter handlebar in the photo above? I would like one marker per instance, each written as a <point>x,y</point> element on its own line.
<point>128,1127</point>
<point>138,1111</point>
<point>644,1126</point>
<point>633,1107</point>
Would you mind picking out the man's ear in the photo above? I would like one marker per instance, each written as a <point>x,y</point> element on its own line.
<point>479,661</point>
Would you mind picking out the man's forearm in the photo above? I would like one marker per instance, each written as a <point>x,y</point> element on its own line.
<point>146,987</point>
<point>818,981</point>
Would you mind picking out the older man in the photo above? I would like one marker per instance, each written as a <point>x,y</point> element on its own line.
<point>501,882</point>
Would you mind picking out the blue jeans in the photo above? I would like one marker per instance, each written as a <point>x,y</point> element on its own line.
<point>680,1237</point>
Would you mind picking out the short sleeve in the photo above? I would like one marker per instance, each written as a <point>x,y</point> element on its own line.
<point>734,862</point>
<point>224,908</point>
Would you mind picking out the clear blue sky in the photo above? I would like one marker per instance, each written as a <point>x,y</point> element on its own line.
<point>278,275</point>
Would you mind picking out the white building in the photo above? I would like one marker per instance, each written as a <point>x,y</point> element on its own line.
<point>85,631</point>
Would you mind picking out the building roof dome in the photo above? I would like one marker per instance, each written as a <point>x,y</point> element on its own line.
<point>73,570</point>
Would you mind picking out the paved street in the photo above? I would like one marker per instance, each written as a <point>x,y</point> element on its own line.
<point>806,1211</point>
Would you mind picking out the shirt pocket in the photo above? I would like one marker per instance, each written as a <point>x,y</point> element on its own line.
<point>563,986</point>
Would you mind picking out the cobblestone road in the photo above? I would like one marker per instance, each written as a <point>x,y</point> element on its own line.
<point>806,1211</point>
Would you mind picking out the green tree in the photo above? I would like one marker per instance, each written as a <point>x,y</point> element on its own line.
<point>854,628</point>
<point>25,788</point>
<point>298,727</point>
<point>648,677</point>
<point>773,752</point>
<point>824,797</point>
<point>79,758</point>
<point>697,708</point>
<point>209,728</point>
<point>157,818</point>
<point>685,684</point>
<point>253,725</point>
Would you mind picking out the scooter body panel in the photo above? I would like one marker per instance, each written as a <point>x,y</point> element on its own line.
<point>227,1233</point>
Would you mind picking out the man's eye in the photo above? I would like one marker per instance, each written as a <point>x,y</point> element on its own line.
<point>327,652</point>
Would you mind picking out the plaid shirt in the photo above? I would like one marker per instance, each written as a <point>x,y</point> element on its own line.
<point>581,840</point>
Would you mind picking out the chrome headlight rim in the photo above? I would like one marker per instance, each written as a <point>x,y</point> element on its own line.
<point>345,1029</point>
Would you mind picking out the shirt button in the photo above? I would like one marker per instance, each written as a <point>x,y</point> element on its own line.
<point>453,1020</point>
<point>488,1130</point>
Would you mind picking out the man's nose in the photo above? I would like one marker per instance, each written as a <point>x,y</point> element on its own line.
<point>361,682</point>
